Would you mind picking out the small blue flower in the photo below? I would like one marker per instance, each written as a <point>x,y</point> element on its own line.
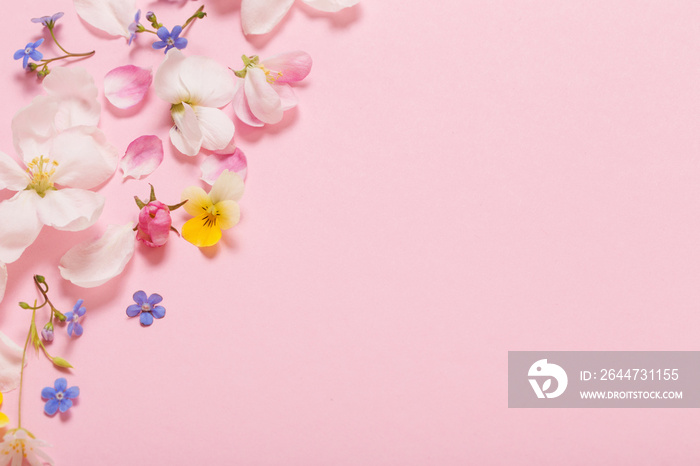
<point>60,398</point>
<point>146,306</point>
<point>169,40</point>
<point>72,318</point>
<point>30,51</point>
<point>133,27</point>
<point>48,21</point>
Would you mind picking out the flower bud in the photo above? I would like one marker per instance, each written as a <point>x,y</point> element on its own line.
<point>154,224</point>
<point>47,332</point>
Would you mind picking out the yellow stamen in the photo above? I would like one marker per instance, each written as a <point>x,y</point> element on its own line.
<point>41,171</point>
<point>269,75</point>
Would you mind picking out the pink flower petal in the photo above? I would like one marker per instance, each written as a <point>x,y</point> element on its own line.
<point>331,6</point>
<point>127,85</point>
<point>263,101</point>
<point>294,66</point>
<point>10,363</point>
<point>260,16</point>
<point>215,164</point>
<point>142,157</point>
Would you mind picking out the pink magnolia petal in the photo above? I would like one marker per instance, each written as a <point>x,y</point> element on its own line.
<point>263,101</point>
<point>242,110</point>
<point>331,6</point>
<point>94,263</point>
<point>10,363</point>
<point>294,66</point>
<point>142,157</point>
<point>127,85</point>
<point>215,164</point>
<point>260,16</point>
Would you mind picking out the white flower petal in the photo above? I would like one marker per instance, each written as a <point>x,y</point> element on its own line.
<point>127,85</point>
<point>287,96</point>
<point>111,16</point>
<point>215,164</point>
<point>263,101</point>
<point>11,175</point>
<point>208,83</point>
<point>217,128</point>
<point>331,5</point>
<point>186,135</point>
<point>10,363</point>
<point>85,159</point>
<point>19,225</point>
<point>70,209</point>
<point>76,93</point>
<point>33,127</point>
<point>242,110</point>
<point>228,186</point>
<point>260,16</point>
<point>94,263</point>
<point>142,157</point>
<point>167,83</point>
<point>3,281</point>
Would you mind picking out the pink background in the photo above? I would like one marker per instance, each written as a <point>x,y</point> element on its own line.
<point>460,179</point>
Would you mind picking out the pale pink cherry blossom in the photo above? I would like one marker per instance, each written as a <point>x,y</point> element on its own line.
<point>261,16</point>
<point>263,92</point>
<point>196,87</point>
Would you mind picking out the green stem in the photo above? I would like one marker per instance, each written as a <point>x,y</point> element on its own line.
<point>21,371</point>
<point>70,55</point>
<point>56,42</point>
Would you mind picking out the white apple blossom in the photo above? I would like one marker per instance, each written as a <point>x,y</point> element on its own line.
<point>64,156</point>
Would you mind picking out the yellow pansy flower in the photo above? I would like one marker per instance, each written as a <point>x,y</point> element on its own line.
<point>4,420</point>
<point>214,211</point>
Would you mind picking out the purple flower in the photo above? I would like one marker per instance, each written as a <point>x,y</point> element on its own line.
<point>48,21</point>
<point>169,40</point>
<point>29,51</point>
<point>60,398</point>
<point>47,332</point>
<point>146,306</point>
<point>72,318</point>
<point>133,27</point>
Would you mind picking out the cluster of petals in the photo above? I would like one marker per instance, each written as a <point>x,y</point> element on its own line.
<point>196,87</point>
<point>64,155</point>
<point>264,93</point>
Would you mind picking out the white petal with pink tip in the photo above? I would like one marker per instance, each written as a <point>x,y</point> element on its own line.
<point>94,263</point>
<point>127,85</point>
<point>142,157</point>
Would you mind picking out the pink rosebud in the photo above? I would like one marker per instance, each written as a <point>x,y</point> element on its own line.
<point>154,224</point>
